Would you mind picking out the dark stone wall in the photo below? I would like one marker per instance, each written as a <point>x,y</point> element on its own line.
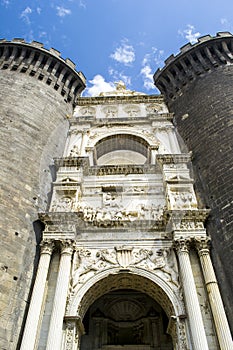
<point>33,130</point>
<point>204,119</point>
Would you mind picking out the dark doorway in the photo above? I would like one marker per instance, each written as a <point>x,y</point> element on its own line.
<point>125,318</point>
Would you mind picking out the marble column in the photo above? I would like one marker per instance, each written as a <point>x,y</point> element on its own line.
<point>216,304</point>
<point>191,299</point>
<point>36,302</point>
<point>59,303</point>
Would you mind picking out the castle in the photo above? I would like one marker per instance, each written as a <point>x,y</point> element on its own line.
<point>116,210</point>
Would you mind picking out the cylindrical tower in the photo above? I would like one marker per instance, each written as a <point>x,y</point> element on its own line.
<point>198,87</point>
<point>37,93</point>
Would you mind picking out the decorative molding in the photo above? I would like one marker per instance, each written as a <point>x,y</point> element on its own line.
<point>67,246</point>
<point>202,245</point>
<point>160,261</point>
<point>174,158</point>
<point>123,169</point>
<point>183,245</point>
<point>71,162</point>
<point>47,246</point>
<point>100,100</point>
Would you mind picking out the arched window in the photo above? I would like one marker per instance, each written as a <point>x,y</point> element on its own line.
<point>121,149</point>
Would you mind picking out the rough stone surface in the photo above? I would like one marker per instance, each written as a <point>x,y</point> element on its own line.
<point>33,130</point>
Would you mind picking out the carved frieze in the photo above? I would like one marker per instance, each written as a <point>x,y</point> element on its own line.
<point>89,262</point>
<point>178,199</point>
<point>185,222</point>
<point>87,111</point>
<point>110,111</point>
<point>63,204</point>
<point>154,108</point>
<point>132,110</point>
<point>112,213</point>
<point>122,169</point>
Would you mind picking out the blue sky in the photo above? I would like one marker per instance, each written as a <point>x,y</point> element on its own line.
<point>112,40</point>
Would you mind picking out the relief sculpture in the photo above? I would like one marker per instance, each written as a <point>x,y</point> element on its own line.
<point>113,214</point>
<point>90,262</point>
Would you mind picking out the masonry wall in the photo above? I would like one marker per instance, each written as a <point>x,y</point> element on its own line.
<point>33,129</point>
<point>203,109</point>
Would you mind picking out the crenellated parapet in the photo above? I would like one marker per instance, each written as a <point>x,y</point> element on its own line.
<point>42,64</point>
<point>193,61</point>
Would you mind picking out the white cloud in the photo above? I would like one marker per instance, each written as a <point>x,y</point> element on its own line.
<point>82,4</point>
<point>224,21</point>
<point>117,76</point>
<point>62,11</point>
<point>38,10</point>
<point>42,34</point>
<point>5,3</point>
<point>190,33</point>
<point>29,36</point>
<point>152,59</point>
<point>25,15</point>
<point>124,53</point>
<point>98,85</point>
<point>147,76</point>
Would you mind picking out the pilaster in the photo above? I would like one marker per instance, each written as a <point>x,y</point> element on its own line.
<point>74,329</point>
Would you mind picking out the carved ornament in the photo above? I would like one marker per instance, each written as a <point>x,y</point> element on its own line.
<point>47,246</point>
<point>90,262</point>
<point>183,245</point>
<point>174,158</point>
<point>112,213</point>
<point>67,246</point>
<point>202,245</point>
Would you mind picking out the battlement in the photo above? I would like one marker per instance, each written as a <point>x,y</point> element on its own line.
<point>192,61</point>
<point>45,65</point>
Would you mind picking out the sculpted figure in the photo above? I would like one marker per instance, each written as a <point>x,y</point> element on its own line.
<point>167,265</point>
<point>65,204</point>
<point>109,257</point>
<point>86,264</point>
<point>141,256</point>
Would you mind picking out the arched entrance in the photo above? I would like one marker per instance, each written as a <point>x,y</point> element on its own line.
<point>128,309</point>
<point>128,319</point>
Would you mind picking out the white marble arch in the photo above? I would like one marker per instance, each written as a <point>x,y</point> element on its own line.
<point>168,296</point>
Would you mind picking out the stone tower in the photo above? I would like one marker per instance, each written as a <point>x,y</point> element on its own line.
<point>38,90</point>
<point>197,86</point>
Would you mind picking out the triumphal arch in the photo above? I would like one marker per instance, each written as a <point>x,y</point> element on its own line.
<point>124,260</point>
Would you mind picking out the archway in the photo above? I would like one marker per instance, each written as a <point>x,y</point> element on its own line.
<point>128,319</point>
<point>162,297</point>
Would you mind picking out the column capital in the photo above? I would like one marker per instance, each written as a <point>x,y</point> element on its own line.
<point>67,246</point>
<point>47,246</point>
<point>182,244</point>
<point>202,245</point>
